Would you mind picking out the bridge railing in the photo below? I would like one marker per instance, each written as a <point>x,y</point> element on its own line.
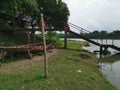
<point>79,30</point>
<point>106,41</point>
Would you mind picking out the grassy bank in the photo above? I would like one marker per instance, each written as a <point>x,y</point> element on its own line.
<point>68,70</point>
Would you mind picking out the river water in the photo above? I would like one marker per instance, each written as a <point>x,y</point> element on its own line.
<point>110,64</point>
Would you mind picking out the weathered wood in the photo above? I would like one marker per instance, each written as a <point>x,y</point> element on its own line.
<point>65,39</point>
<point>44,47</point>
<point>12,55</point>
<point>29,54</point>
<point>32,37</point>
<point>25,49</point>
<point>14,49</point>
<point>30,29</point>
<point>28,38</point>
<point>3,56</point>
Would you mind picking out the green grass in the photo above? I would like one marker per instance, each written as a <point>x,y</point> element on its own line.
<point>64,73</point>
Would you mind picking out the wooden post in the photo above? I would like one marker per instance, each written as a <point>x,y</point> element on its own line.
<point>106,41</point>
<point>112,41</point>
<point>29,54</point>
<point>28,34</point>
<point>12,55</point>
<point>101,50</point>
<point>3,56</point>
<point>32,36</point>
<point>101,41</point>
<point>65,39</point>
<point>34,41</point>
<point>44,47</point>
<point>97,40</point>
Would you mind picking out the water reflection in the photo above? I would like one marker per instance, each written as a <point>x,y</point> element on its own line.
<point>110,59</point>
<point>110,64</point>
<point>110,67</point>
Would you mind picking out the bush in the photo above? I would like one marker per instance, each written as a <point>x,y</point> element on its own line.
<point>53,37</point>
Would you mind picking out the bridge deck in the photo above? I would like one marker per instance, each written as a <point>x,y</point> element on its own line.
<point>96,43</point>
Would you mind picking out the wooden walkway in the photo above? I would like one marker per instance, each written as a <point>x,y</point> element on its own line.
<point>96,43</point>
<point>111,46</point>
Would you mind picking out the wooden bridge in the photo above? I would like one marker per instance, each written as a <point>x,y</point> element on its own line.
<point>79,32</point>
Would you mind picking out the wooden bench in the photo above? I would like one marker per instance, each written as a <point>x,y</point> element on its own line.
<point>12,50</point>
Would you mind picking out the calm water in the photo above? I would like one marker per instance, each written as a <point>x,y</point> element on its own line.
<point>110,65</point>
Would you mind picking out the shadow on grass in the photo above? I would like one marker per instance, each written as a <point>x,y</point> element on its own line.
<point>37,78</point>
<point>19,57</point>
<point>78,50</point>
<point>9,59</point>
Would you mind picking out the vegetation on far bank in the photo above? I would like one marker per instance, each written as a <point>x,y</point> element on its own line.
<point>68,70</point>
<point>97,35</point>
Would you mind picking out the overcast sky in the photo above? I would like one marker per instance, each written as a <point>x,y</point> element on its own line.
<point>95,14</point>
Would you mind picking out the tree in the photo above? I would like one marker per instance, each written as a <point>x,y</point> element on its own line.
<point>116,34</point>
<point>55,12</point>
<point>95,34</point>
<point>103,34</point>
<point>15,10</point>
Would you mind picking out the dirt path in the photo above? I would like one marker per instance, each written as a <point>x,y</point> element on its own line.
<point>26,63</point>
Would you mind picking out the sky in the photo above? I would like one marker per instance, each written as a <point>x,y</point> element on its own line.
<point>95,14</point>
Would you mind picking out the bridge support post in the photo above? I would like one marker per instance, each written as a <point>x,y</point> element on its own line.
<point>105,48</point>
<point>101,50</point>
<point>65,40</point>
<point>28,38</point>
<point>106,52</point>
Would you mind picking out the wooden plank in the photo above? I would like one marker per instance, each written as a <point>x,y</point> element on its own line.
<point>30,29</point>
<point>22,49</point>
<point>3,56</point>
<point>14,49</point>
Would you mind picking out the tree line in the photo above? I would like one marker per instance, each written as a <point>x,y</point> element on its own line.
<point>104,35</point>
<point>96,35</point>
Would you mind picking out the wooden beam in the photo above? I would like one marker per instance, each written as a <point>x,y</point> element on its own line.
<point>30,29</point>
<point>29,54</point>
<point>3,56</point>
<point>101,51</point>
<point>65,40</point>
